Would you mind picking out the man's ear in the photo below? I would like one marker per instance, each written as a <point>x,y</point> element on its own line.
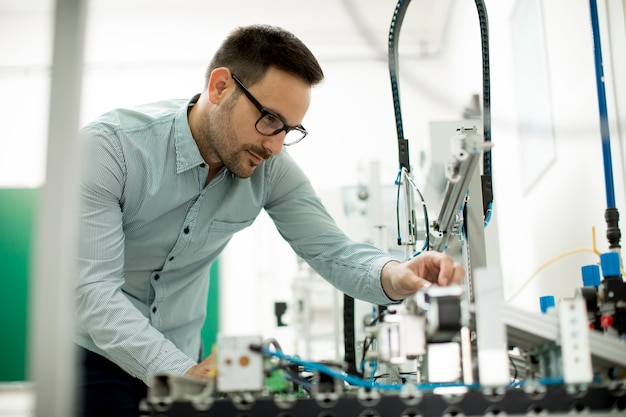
<point>220,82</point>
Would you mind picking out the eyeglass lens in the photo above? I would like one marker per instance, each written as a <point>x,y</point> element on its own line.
<point>270,125</point>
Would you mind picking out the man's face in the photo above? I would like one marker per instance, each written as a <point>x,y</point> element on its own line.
<point>230,127</point>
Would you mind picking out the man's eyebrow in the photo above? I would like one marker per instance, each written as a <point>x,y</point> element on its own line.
<point>280,116</point>
<point>277,114</point>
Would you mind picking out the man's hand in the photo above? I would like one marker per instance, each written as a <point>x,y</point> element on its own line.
<point>202,370</point>
<point>402,279</point>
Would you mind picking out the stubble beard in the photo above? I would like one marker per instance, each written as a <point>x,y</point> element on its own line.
<point>222,142</point>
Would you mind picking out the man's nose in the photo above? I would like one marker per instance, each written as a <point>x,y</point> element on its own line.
<point>274,143</point>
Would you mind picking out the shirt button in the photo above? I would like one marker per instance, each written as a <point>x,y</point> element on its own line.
<point>186,230</point>
<point>202,165</point>
<point>171,259</point>
<point>156,277</point>
<point>154,309</point>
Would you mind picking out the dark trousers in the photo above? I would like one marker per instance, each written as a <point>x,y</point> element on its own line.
<point>105,389</point>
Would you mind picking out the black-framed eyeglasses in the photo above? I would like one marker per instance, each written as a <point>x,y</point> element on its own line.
<point>270,124</point>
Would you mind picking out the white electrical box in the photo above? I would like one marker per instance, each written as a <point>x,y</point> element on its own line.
<point>575,349</point>
<point>239,368</point>
<point>444,362</point>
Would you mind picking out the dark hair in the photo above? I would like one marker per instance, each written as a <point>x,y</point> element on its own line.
<point>249,51</point>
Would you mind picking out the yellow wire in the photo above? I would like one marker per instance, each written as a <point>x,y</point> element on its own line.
<point>545,265</point>
<point>593,249</point>
<point>593,240</point>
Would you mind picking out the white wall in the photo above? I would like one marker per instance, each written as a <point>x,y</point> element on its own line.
<point>146,50</point>
<point>557,214</point>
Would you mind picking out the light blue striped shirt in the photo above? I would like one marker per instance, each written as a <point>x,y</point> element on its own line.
<point>150,230</point>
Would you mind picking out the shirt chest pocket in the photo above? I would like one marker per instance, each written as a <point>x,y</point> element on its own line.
<point>219,233</point>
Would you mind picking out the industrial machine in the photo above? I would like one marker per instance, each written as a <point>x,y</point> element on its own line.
<point>446,351</point>
<point>436,354</point>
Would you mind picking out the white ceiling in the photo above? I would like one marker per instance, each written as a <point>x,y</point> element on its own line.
<point>333,28</point>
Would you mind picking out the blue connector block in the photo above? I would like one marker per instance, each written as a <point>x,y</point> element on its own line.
<point>591,275</point>
<point>546,302</point>
<point>610,263</point>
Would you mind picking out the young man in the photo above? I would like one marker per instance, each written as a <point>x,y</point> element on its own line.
<point>166,185</point>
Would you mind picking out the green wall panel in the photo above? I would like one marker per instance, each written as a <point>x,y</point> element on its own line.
<point>210,329</point>
<point>17,212</point>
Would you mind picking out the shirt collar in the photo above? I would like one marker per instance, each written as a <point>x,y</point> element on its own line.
<point>187,152</point>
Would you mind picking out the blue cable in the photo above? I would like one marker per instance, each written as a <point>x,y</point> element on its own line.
<point>372,384</point>
<point>604,119</point>
<point>354,380</point>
